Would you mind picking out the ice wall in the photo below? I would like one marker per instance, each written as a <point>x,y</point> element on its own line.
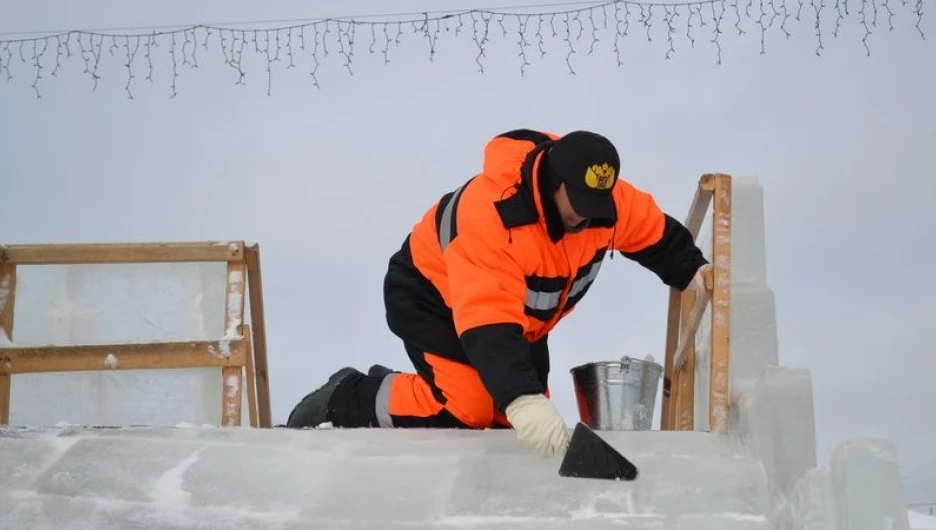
<point>772,405</point>
<point>446,479</point>
<point>118,303</point>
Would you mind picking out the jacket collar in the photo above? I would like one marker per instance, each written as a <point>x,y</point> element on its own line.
<point>533,201</point>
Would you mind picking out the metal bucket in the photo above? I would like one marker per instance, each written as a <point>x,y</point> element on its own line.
<point>617,395</point>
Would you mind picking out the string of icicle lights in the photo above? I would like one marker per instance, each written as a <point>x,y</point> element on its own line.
<point>582,28</point>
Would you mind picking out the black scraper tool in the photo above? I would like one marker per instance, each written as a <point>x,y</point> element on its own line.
<point>589,456</point>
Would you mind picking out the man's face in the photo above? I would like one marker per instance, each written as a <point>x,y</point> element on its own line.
<point>573,222</point>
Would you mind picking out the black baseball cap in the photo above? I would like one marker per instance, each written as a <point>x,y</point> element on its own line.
<point>588,164</point>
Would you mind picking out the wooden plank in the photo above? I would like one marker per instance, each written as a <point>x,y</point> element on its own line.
<point>251,378</point>
<point>694,319</point>
<point>6,390</point>
<point>139,356</point>
<point>259,344</point>
<point>101,253</point>
<point>684,378</point>
<point>700,204</point>
<point>721,307</point>
<point>232,377</point>
<point>697,211</point>
<point>667,412</point>
<point>7,304</point>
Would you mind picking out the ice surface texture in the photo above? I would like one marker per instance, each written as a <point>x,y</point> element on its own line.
<point>201,477</point>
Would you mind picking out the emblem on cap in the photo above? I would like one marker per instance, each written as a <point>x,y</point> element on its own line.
<point>600,177</point>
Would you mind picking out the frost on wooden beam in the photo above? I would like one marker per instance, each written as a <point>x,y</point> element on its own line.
<point>187,354</point>
<point>100,253</point>
<point>719,369</point>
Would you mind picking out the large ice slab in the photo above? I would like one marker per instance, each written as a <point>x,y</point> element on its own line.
<point>196,477</point>
<point>118,303</point>
<point>810,504</point>
<point>866,485</point>
<point>777,417</point>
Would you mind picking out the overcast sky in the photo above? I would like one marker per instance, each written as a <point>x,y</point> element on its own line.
<point>330,180</point>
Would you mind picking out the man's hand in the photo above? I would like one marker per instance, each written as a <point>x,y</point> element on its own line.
<point>538,424</point>
<point>698,281</point>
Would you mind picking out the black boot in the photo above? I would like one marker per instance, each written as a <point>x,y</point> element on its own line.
<point>312,411</point>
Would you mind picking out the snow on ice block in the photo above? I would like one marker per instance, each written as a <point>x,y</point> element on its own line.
<point>727,521</point>
<point>191,477</point>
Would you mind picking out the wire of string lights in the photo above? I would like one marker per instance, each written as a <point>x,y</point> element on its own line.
<point>318,39</point>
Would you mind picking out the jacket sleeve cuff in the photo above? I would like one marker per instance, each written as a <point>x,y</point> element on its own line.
<point>501,355</point>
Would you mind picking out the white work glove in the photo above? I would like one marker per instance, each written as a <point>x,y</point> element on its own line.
<point>538,424</point>
<point>698,281</point>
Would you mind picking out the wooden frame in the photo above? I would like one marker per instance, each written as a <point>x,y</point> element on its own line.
<point>242,348</point>
<point>685,314</point>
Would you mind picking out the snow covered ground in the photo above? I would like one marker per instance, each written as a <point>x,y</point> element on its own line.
<point>921,521</point>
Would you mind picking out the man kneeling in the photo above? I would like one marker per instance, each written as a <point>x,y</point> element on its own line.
<point>485,276</point>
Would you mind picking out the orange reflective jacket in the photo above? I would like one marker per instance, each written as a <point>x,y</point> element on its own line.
<point>488,271</point>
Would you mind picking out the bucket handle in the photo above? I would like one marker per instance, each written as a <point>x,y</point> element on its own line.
<point>625,363</point>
